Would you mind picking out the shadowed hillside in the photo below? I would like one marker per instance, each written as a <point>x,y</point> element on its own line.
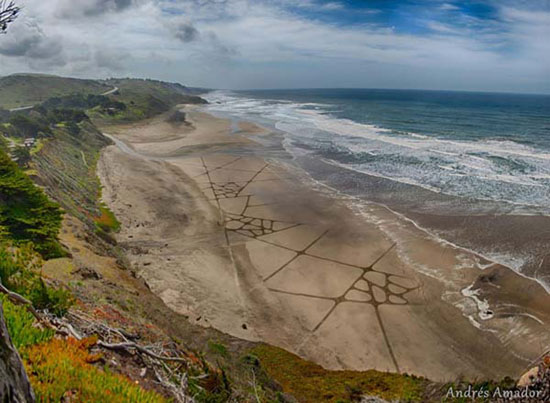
<point>21,90</point>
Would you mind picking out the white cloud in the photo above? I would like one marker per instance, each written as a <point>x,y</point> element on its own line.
<point>245,43</point>
<point>77,8</point>
<point>449,7</point>
<point>439,27</point>
<point>333,5</point>
<point>27,39</point>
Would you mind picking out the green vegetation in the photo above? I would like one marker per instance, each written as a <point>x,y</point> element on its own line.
<point>21,125</point>
<point>309,382</point>
<point>66,164</point>
<point>37,147</point>
<point>26,213</point>
<point>144,99</point>
<point>61,370</point>
<point>83,101</point>
<point>29,221</point>
<point>74,116</point>
<point>65,112</point>
<point>3,144</point>
<point>218,348</point>
<point>107,221</point>
<point>20,273</point>
<point>214,388</point>
<point>4,114</point>
<point>167,93</point>
<point>21,326</point>
<point>23,156</point>
<point>21,90</point>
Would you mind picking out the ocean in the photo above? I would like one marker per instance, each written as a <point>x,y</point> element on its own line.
<point>472,168</point>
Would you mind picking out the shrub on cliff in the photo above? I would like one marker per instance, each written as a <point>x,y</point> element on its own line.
<point>21,326</point>
<point>26,213</point>
<point>4,114</point>
<point>20,273</point>
<point>22,125</point>
<point>66,115</point>
<point>23,156</point>
<point>3,143</point>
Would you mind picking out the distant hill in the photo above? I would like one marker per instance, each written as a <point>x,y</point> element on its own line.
<point>152,91</point>
<point>21,90</point>
<point>152,96</point>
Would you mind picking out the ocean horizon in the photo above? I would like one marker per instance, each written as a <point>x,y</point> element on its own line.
<point>247,90</point>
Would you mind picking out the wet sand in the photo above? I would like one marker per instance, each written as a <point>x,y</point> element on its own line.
<point>234,237</point>
<point>508,233</point>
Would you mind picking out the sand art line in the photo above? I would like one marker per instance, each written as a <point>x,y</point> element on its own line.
<point>371,287</point>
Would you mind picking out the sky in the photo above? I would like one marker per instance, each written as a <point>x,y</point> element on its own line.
<point>492,45</point>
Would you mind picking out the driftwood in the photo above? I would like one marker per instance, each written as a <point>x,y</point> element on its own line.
<point>131,345</point>
<point>126,345</point>
<point>100,326</point>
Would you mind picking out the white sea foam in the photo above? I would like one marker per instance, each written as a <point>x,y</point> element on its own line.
<point>483,309</point>
<point>499,170</point>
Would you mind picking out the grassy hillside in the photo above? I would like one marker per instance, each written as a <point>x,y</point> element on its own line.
<point>144,99</point>
<point>163,90</point>
<point>21,90</point>
<point>66,167</point>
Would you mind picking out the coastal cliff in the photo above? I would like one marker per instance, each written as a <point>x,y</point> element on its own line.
<point>80,281</point>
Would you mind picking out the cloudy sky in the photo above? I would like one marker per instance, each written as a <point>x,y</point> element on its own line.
<point>492,45</point>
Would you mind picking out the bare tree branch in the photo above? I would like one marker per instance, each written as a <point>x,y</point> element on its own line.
<point>20,300</point>
<point>8,13</point>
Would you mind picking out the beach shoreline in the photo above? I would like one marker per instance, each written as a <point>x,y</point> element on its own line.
<point>476,177</point>
<point>234,238</point>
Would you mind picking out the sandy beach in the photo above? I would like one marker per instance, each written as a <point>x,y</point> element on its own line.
<point>233,237</point>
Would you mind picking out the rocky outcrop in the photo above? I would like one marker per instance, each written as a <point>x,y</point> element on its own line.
<point>14,384</point>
